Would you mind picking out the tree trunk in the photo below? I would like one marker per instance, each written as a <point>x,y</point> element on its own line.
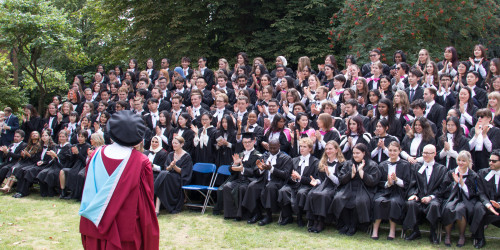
<point>15,62</point>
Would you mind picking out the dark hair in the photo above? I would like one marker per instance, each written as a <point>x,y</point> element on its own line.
<point>231,128</point>
<point>32,109</point>
<point>242,76</point>
<point>470,102</point>
<point>350,57</point>
<point>454,57</point>
<point>20,132</point>
<point>496,152</point>
<point>403,56</point>
<point>244,55</point>
<point>384,123</point>
<point>132,75</point>
<point>376,51</point>
<point>404,66</point>
<point>390,110</point>
<point>340,78</point>
<point>168,120</point>
<point>475,73</point>
<point>445,75</point>
<point>457,134</point>
<point>135,62</point>
<point>333,62</point>
<point>186,116</point>
<point>427,133</point>
<point>418,103</point>
<point>360,131</point>
<point>297,118</point>
<point>416,72</point>
<point>377,93</point>
<point>185,59</point>
<point>363,148</point>
<point>274,124</point>
<point>83,133</point>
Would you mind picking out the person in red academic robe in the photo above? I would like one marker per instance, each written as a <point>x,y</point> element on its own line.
<point>117,202</point>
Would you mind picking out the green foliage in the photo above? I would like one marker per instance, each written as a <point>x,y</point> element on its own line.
<point>414,24</point>
<point>54,83</point>
<point>44,40</point>
<point>10,95</point>
<point>214,29</point>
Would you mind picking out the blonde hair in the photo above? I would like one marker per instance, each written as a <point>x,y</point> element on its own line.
<point>428,57</point>
<point>495,95</point>
<point>404,102</point>
<point>323,163</point>
<point>307,141</point>
<point>465,155</point>
<point>165,74</point>
<point>98,139</point>
<point>225,63</point>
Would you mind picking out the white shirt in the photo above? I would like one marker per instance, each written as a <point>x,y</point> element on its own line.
<point>429,107</point>
<point>247,154</point>
<point>427,167</point>
<point>390,171</point>
<point>304,162</point>
<point>491,174</point>
<point>155,118</point>
<point>219,114</point>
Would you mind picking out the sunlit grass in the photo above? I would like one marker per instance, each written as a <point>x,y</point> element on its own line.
<point>50,223</point>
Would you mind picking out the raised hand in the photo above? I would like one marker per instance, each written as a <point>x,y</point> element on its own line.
<point>236,159</point>
<point>313,182</point>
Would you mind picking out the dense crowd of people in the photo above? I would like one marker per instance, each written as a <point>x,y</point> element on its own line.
<point>404,143</point>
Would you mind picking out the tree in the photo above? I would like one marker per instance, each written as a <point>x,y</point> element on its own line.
<point>410,25</point>
<point>10,95</point>
<point>40,35</point>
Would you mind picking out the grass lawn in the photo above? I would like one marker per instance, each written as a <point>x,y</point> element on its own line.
<point>51,223</point>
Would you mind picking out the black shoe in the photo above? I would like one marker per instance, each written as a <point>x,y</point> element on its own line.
<point>320,227</point>
<point>216,212</point>
<point>300,223</point>
<point>351,231</point>
<point>312,228</point>
<point>414,235</point>
<point>18,195</point>
<point>265,221</point>
<point>480,243</point>
<point>237,219</point>
<point>254,219</point>
<point>344,230</point>
<point>390,238</point>
<point>374,238</point>
<point>433,238</point>
<point>286,221</point>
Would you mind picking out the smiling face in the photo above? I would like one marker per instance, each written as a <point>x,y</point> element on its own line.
<point>358,155</point>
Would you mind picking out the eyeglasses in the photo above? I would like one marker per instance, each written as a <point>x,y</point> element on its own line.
<point>373,55</point>
<point>494,161</point>
<point>398,68</point>
<point>428,153</point>
<point>280,70</point>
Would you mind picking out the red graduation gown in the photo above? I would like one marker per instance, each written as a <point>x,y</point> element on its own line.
<point>129,221</point>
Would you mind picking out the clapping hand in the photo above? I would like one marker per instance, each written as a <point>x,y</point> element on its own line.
<point>236,159</point>
<point>295,175</point>
<point>171,166</point>
<point>313,182</point>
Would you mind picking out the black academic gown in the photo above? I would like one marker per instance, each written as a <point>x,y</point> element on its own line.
<point>458,205</point>
<point>188,136</point>
<point>49,176</point>
<point>436,115</point>
<point>223,154</point>
<point>80,161</point>
<point>331,135</point>
<point>285,145</point>
<point>34,124</point>
<point>390,201</point>
<point>159,159</point>
<point>10,159</point>
<point>451,163</point>
<point>487,190</point>
<point>480,158</point>
<point>294,194</point>
<point>320,197</point>
<point>267,184</point>
<point>373,145</point>
<point>364,139</point>
<point>406,145</point>
<point>205,152</point>
<point>168,184</point>
<point>421,189</point>
<point>26,176</point>
<point>356,193</point>
<point>235,187</point>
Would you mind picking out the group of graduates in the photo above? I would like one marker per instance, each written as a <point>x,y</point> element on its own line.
<point>350,147</point>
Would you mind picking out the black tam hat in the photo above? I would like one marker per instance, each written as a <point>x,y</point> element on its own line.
<point>126,128</point>
<point>248,135</point>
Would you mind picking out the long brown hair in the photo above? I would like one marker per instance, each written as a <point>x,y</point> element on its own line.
<point>427,133</point>
<point>323,163</point>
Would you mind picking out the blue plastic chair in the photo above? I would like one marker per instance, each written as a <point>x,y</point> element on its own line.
<point>204,168</point>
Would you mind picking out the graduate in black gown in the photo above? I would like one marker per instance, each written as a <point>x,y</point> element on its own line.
<point>461,197</point>
<point>484,139</point>
<point>385,110</point>
<point>157,155</point>
<point>96,140</point>
<point>184,129</point>
<point>326,132</point>
<point>354,134</point>
<point>425,195</point>
<point>10,154</point>
<point>29,156</point>
<point>252,127</point>
<point>292,196</point>
<point>177,173</point>
<point>380,143</point>
<point>225,141</point>
<point>419,135</point>
<point>26,177</point>
<point>451,143</point>
<point>487,210</point>
<point>390,200</point>
<point>242,171</point>
<point>320,197</point>
<point>68,176</point>
<point>274,170</point>
<point>63,158</point>
<point>204,150</point>
<point>352,203</point>
<point>164,129</point>
<point>300,129</point>
<point>278,130</point>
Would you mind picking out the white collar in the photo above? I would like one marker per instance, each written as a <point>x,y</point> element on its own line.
<point>305,158</point>
<point>392,163</point>
<point>431,103</point>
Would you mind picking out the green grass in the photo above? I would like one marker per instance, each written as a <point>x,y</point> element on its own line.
<point>50,223</point>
